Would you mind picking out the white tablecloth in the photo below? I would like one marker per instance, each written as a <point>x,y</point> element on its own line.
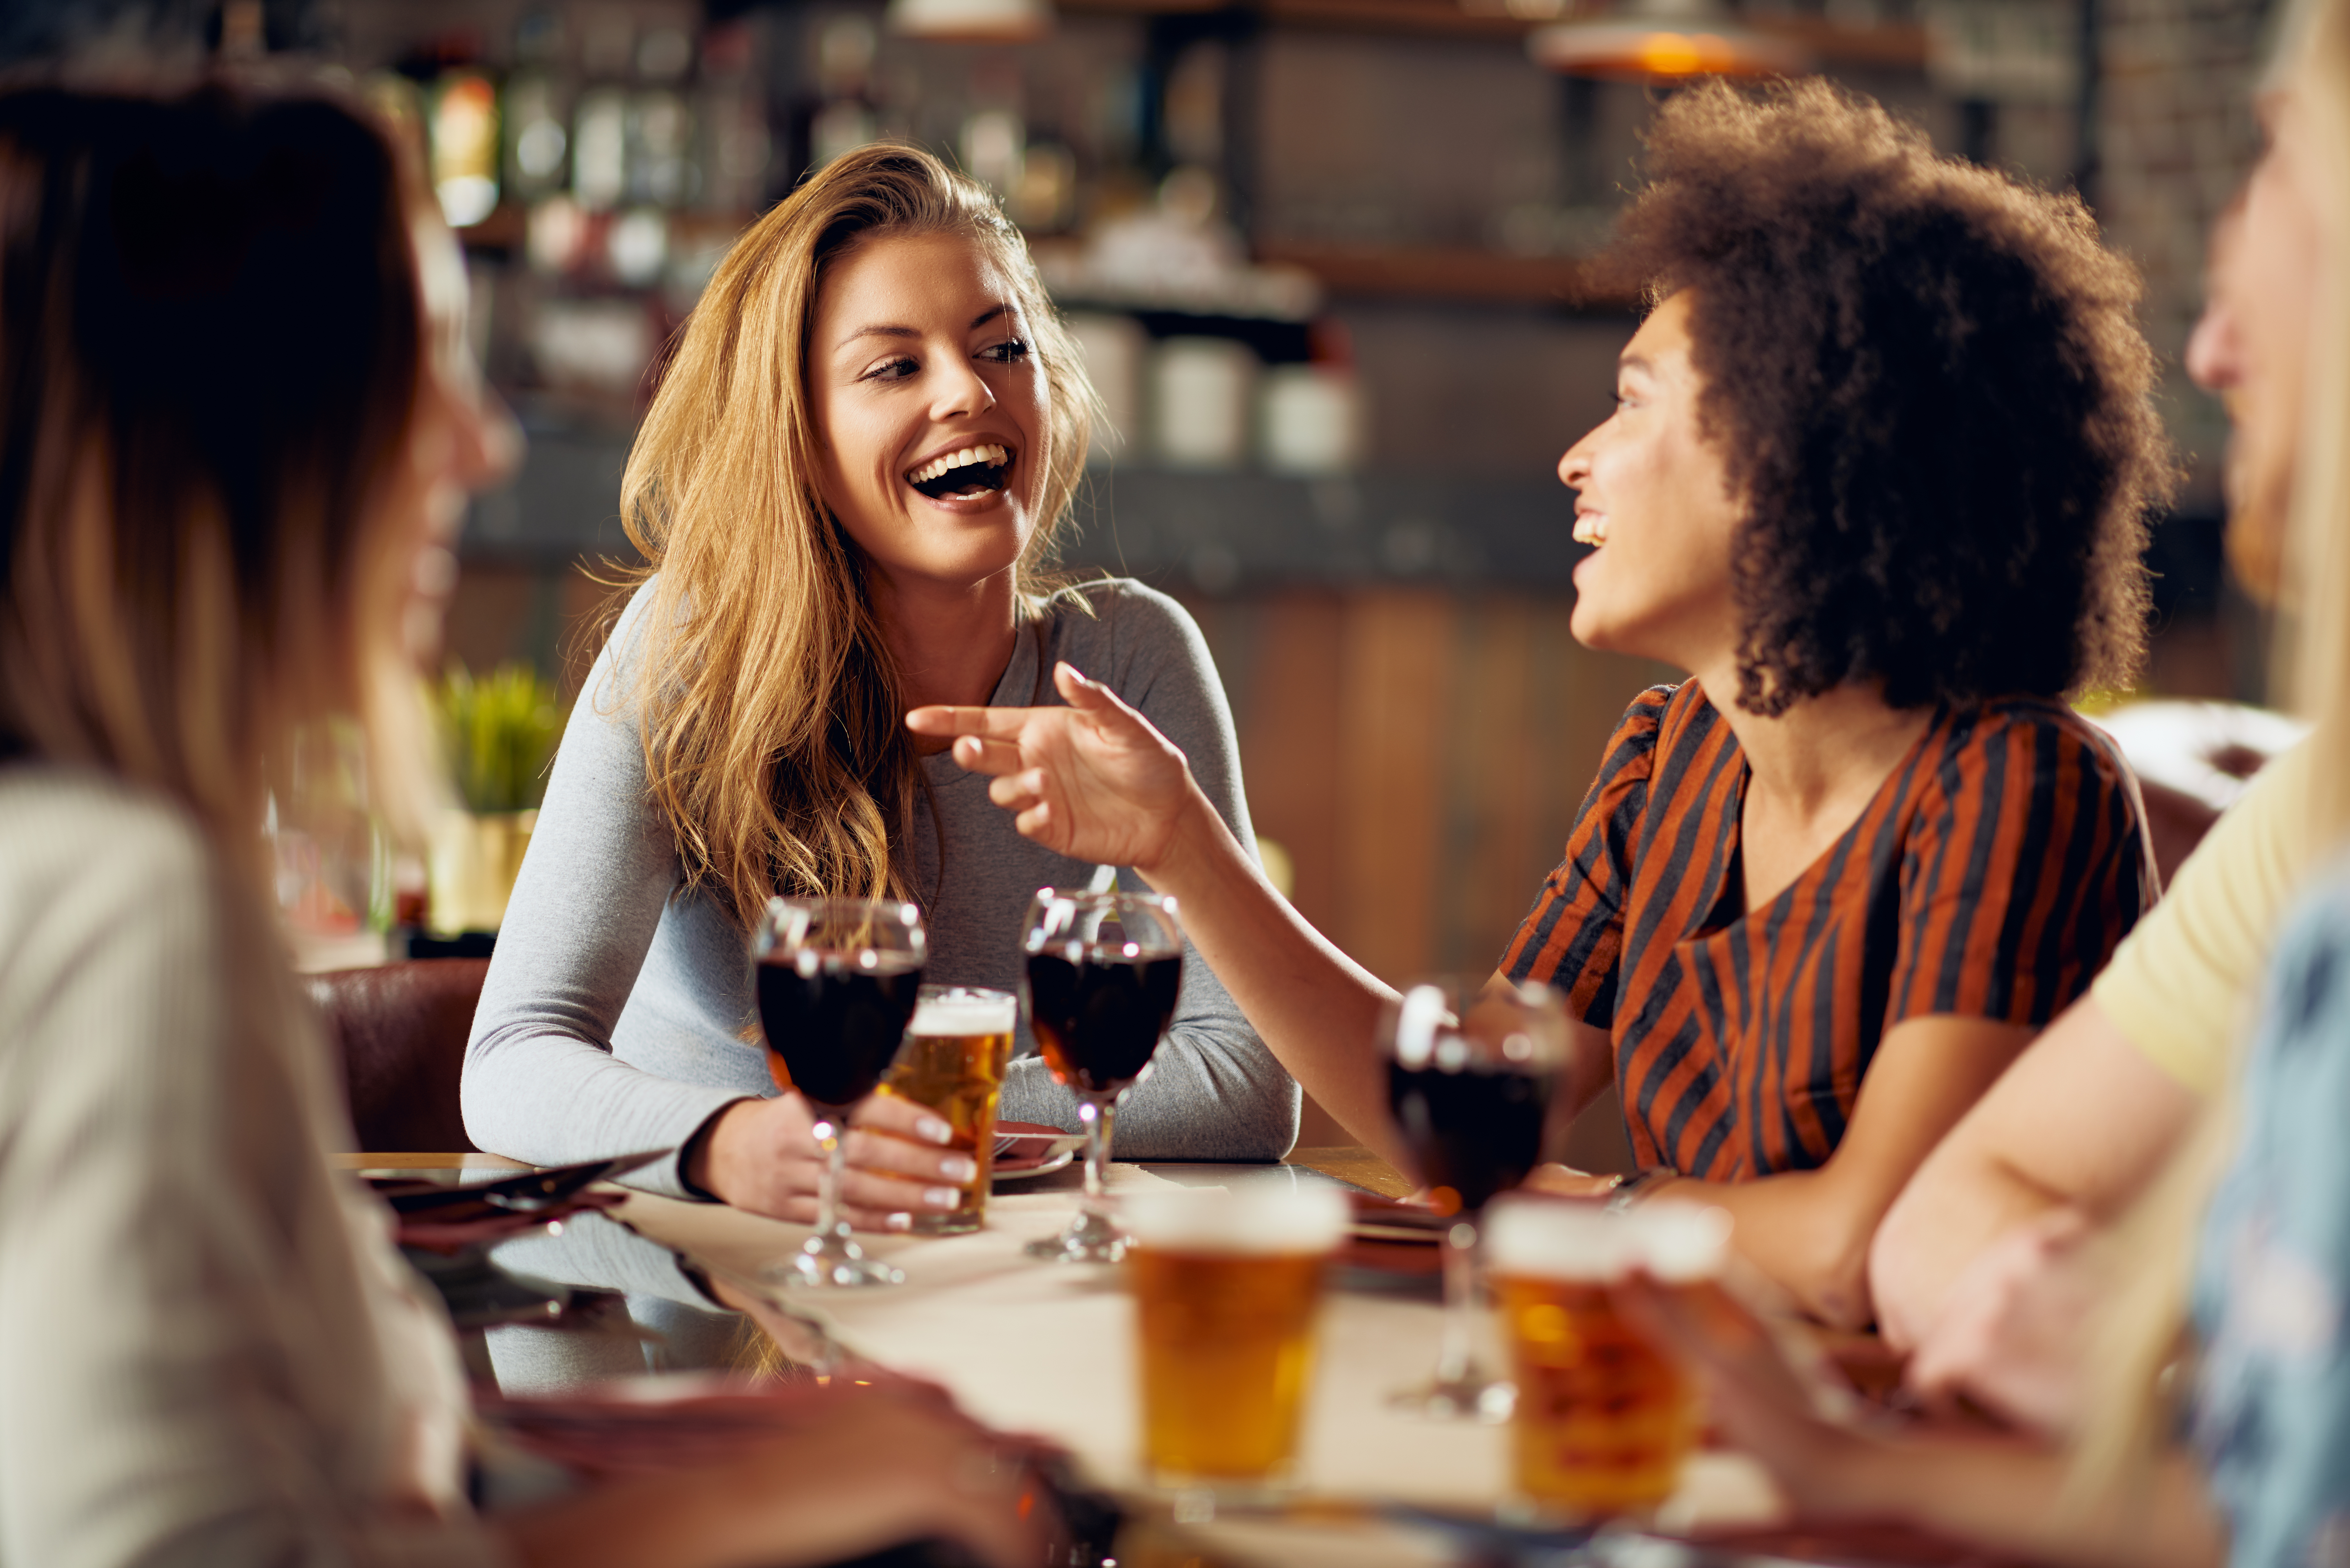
<point>1048,1348</point>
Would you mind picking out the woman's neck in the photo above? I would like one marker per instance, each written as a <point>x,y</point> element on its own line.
<point>1812,771</point>
<point>950,642</point>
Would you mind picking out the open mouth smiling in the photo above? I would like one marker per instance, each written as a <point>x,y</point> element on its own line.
<point>963,474</point>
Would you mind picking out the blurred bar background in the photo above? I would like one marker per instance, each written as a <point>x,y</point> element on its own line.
<point>1326,257</point>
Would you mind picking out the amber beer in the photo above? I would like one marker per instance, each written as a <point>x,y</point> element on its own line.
<point>1603,1418</point>
<point>952,1060</point>
<point>1226,1286</point>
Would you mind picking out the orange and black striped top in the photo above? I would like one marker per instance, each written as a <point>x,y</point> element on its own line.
<point>1994,872</point>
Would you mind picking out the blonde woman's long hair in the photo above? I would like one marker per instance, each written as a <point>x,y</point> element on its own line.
<point>210,342</point>
<point>770,708</point>
<point>2143,1330</point>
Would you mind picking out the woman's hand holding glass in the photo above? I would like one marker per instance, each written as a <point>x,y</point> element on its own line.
<point>1093,781</point>
<point>763,1155</point>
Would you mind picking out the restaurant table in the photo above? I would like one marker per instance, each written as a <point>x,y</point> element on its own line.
<point>1046,1348</point>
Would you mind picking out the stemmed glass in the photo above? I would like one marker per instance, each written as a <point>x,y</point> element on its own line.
<point>1103,972</point>
<point>1473,1067</point>
<point>837,980</point>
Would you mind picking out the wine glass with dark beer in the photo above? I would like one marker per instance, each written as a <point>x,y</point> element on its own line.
<point>1103,972</point>
<point>1473,1067</point>
<point>838,979</point>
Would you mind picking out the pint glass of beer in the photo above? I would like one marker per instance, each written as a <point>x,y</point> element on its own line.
<point>1226,1284</point>
<point>953,1060</point>
<point>1603,1418</point>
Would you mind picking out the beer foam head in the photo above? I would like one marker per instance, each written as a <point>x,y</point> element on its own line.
<point>1676,1242</point>
<point>957,1010</point>
<point>1259,1219</point>
<point>1681,1243</point>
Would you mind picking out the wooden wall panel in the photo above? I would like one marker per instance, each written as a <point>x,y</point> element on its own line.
<point>1396,654</point>
<point>1291,751</point>
<point>1492,778</point>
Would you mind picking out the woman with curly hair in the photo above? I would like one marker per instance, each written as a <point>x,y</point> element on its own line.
<point>1875,479</point>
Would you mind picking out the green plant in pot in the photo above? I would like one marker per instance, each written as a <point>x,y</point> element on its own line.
<point>497,733</point>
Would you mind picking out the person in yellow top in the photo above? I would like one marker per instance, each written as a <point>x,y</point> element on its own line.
<point>2092,1110</point>
<point>2178,985</point>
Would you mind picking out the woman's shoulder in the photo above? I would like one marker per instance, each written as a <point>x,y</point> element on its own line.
<point>1658,721</point>
<point>1118,605</point>
<point>82,852</point>
<point>57,820</point>
<point>1116,624</point>
<point>2060,740</point>
<point>1662,717</point>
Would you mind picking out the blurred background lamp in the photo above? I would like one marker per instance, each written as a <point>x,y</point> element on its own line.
<point>972,21</point>
<point>464,141</point>
<point>1664,41</point>
<point>638,247</point>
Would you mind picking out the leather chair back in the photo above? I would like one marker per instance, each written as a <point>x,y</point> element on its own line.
<point>401,1030</point>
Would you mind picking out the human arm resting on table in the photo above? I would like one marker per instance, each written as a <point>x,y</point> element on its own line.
<point>1809,1230</point>
<point>2006,1495</point>
<point>1094,781</point>
<point>2101,1099</point>
<point>859,1469</point>
<point>541,1082</point>
<point>2082,1120</point>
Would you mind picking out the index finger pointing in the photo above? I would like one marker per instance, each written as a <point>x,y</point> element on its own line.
<point>996,723</point>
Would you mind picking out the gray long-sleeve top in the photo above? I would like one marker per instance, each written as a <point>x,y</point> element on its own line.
<point>616,1009</point>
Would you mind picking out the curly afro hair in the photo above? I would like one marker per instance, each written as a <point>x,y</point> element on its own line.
<point>1931,392</point>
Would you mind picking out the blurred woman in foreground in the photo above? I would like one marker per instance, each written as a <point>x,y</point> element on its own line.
<point>1875,479</point>
<point>236,430</point>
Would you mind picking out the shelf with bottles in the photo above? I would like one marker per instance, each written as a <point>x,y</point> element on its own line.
<point>595,177</point>
<point>1859,38</point>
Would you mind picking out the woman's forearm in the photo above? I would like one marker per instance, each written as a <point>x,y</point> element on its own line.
<point>1801,1230</point>
<point>2012,1498</point>
<point>1317,1007</point>
<point>1811,1230</point>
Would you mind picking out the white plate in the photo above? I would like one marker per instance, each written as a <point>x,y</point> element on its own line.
<point>1038,1143</point>
<point>1059,1161</point>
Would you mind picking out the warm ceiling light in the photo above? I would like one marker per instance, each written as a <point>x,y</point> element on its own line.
<point>1664,41</point>
<point>971,21</point>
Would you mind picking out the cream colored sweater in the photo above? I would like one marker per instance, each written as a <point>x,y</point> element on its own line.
<point>209,1353</point>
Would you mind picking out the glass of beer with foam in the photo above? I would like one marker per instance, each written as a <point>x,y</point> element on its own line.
<point>1226,1286</point>
<point>1604,1417</point>
<point>952,1060</point>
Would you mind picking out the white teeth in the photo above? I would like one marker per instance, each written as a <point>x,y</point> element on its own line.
<point>995,456</point>
<point>1591,529</point>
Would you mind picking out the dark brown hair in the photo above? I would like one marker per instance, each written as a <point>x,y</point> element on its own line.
<point>210,347</point>
<point>1929,387</point>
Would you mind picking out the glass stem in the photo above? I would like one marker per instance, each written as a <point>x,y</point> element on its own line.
<point>1097,1115</point>
<point>828,1130</point>
<point>1459,1355</point>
